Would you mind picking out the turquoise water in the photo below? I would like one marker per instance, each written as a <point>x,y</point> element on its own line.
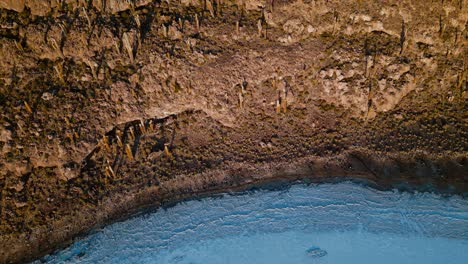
<point>349,223</point>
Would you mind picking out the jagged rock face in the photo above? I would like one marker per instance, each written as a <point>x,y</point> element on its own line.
<point>113,98</point>
<point>42,7</point>
<point>16,5</point>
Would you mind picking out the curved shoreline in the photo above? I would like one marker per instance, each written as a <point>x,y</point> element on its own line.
<point>308,170</point>
<point>304,209</point>
<point>105,114</point>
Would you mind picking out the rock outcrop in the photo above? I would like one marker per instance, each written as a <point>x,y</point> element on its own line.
<point>109,106</point>
<point>43,7</point>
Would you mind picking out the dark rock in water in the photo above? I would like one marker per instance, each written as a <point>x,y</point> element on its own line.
<point>178,259</point>
<point>316,252</point>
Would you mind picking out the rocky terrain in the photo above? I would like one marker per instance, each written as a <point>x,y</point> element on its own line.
<point>108,106</point>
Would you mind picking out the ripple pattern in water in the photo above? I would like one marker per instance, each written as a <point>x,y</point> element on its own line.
<point>350,222</point>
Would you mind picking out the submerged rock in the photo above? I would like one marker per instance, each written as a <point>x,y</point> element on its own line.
<point>316,252</point>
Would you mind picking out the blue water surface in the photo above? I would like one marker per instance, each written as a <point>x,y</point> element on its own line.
<point>335,223</point>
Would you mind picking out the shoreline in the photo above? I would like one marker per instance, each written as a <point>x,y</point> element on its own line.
<point>108,110</point>
<point>121,207</point>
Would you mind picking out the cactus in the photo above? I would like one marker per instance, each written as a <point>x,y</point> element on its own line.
<point>370,97</point>
<point>151,126</point>
<point>128,46</point>
<point>132,134</point>
<point>259,27</point>
<point>119,141</point>
<point>105,143</point>
<point>128,151</point>
<point>197,23</point>
<point>56,47</point>
<point>110,171</point>
<point>90,24</point>
<point>59,70</point>
<point>284,105</point>
<point>70,136</point>
<point>92,66</point>
<point>241,100</point>
<point>167,152</point>
<point>27,107</point>
<point>210,8</point>
<point>19,45</point>
<point>117,48</point>
<point>107,172</point>
<point>165,31</point>
<point>180,22</point>
<point>461,80</point>
<point>142,127</point>
<point>63,31</point>
<point>402,36</point>
<point>218,7</point>
<point>136,17</point>
<point>441,26</point>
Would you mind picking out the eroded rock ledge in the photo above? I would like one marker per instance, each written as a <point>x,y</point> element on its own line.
<point>111,106</point>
